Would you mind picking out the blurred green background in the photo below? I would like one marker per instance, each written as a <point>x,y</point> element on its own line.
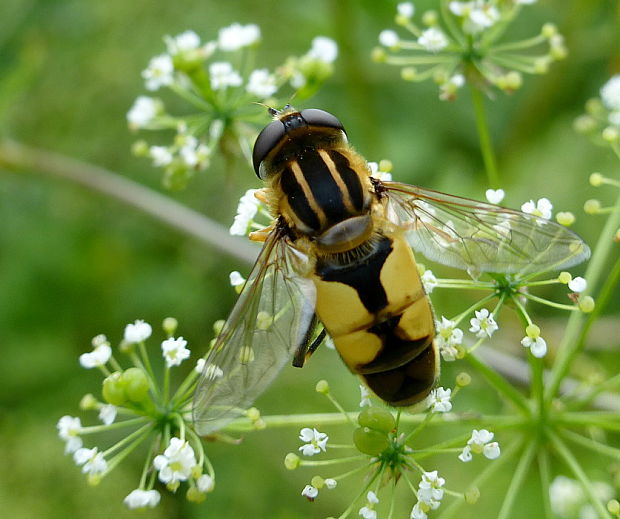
<point>74,264</point>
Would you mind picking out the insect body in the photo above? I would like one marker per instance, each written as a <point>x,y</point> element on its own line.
<point>339,253</point>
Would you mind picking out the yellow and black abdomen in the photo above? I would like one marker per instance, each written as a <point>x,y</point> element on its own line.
<point>379,318</point>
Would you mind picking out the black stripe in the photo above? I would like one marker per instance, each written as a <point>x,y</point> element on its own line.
<point>363,275</point>
<point>350,178</point>
<point>407,384</point>
<point>327,194</point>
<point>394,351</point>
<point>297,199</point>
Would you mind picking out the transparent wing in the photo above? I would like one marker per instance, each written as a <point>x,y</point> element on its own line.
<point>480,237</point>
<point>267,324</point>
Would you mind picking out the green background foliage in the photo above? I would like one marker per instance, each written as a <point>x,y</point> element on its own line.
<point>74,264</point>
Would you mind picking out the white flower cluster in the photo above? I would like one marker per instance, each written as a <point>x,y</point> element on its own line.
<point>448,339</point>
<point>315,441</point>
<point>439,400</point>
<point>430,494</point>
<point>368,511</point>
<point>246,211</point>
<point>480,443</point>
<point>483,325</point>
<point>442,48</point>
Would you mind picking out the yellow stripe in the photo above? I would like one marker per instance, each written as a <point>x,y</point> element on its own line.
<point>301,180</point>
<point>346,196</point>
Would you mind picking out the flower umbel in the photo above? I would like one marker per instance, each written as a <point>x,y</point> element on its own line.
<point>135,402</point>
<point>222,95</point>
<point>462,43</point>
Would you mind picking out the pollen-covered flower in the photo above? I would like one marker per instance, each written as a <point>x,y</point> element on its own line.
<point>222,75</point>
<point>368,511</point>
<point>98,357</point>
<point>137,332</point>
<point>187,41</point>
<point>537,345</point>
<point>174,351</point>
<point>480,443</point>
<point>236,36</point>
<point>176,463</point>
<point>533,341</point>
<point>315,441</point>
<point>323,49</point>
<point>139,498</point>
<point>159,72</point>
<point>429,281</point>
<point>483,325</point>
<point>69,428</point>
<point>91,460</point>
<point>542,208</point>
<point>433,39</point>
<point>261,83</point>
<point>161,155</point>
<point>439,400</point>
<point>143,111</point>
<point>246,210</point>
<point>448,338</point>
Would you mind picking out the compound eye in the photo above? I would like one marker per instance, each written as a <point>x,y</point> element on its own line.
<point>316,117</point>
<point>265,142</point>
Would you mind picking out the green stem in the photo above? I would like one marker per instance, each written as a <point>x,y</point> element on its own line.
<point>517,480</point>
<point>499,383</point>
<point>578,472</point>
<point>545,481</point>
<point>571,345</point>
<point>612,452</point>
<point>487,473</point>
<point>486,147</point>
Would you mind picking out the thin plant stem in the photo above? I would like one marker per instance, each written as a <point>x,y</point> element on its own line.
<point>486,146</point>
<point>517,480</point>
<point>487,473</point>
<point>545,481</point>
<point>499,383</point>
<point>588,443</point>
<point>18,157</point>
<point>570,460</point>
<point>571,345</point>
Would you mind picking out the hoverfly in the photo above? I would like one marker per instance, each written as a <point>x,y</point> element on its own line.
<point>339,253</point>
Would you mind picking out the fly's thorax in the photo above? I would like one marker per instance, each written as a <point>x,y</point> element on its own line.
<point>320,187</point>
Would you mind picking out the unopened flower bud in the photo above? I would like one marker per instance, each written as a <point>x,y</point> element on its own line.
<point>88,402</point>
<point>170,326</point>
<point>292,461</point>
<point>610,134</point>
<point>113,391</point>
<point>463,379</point>
<point>565,218</point>
<point>322,386</point>
<point>596,179</point>
<point>565,278</point>
<point>472,495</point>
<point>592,206</point>
<point>586,304</point>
